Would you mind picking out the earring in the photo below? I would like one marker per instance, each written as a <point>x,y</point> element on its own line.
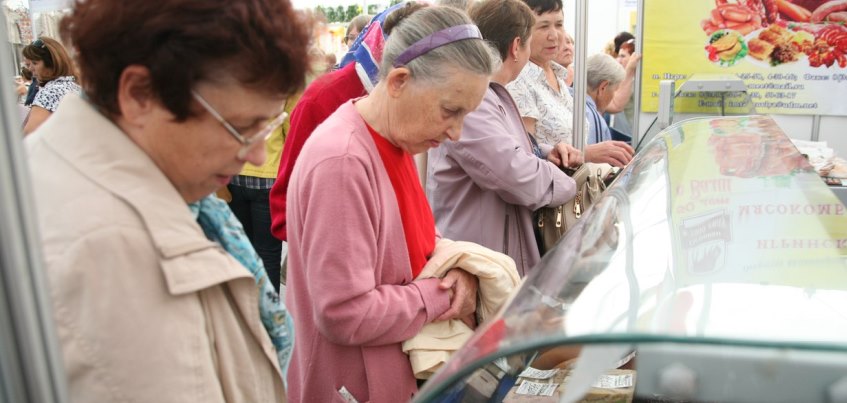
<point>516,60</point>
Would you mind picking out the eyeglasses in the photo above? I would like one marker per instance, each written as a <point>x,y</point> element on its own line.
<point>38,43</point>
<point>247,142</point>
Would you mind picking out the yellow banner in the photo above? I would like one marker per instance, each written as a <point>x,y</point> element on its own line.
<point>791,54</point>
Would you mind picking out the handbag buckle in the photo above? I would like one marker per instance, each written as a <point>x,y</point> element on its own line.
<point>559,217</point>
<point>577,205</point>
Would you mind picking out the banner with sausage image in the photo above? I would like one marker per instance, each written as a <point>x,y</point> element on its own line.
<point>748,208</point>
<point>791,54</point>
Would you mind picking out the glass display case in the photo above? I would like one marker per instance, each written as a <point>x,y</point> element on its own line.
<point>713,269</point>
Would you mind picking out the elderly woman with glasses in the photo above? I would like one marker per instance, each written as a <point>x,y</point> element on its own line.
<point>157,292</point>
<point>53,69</point>
<point>359,227</point>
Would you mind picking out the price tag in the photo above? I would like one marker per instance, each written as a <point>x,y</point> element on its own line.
<point>551,302</point>
<point>348,397</point>
<point>528,388</point>
<point>613,381</point>
<point>533,373</point>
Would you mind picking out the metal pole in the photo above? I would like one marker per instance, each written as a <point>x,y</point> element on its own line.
<point>639,47</point>
<point>31,368</point>
<point>580,77</point>
<point>816,128</point>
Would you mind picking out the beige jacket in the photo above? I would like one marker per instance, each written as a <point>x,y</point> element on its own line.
<point>497,276</point>
<point>147,309</point>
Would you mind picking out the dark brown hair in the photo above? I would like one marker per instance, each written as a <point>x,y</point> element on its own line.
<point>54,56</point>
<point>501,21</point>
<point>261,43</point>
<point>26,74</point>
<point>628,45</point>
<point>544,6</point>
<point>622,38</point>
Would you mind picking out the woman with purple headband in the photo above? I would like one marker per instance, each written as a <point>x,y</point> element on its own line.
<point>359,226</point>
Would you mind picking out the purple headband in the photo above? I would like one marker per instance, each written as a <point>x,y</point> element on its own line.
<point>437,39</point>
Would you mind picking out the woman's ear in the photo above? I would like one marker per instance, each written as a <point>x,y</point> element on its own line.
<point>397,81</point>
<point>514,48</point>
<point>135,94</point>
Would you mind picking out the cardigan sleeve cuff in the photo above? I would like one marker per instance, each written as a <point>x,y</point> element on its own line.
<point>435,300</point>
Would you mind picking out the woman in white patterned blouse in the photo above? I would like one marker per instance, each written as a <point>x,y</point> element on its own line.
<point>544,100</point>
<point>54,70</point>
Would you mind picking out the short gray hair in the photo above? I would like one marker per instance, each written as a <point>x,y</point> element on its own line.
<point>602,67</point>
<point>459,4</point>
<point>473,55</point>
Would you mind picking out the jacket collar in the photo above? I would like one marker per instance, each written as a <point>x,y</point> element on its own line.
<point>104,154</point>
<point>590,102</point>
<point>499,90</point>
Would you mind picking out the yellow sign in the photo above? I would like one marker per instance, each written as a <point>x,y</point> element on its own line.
<point>792,56</point>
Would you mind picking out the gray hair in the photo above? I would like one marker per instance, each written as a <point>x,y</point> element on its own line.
<point>602,67</point>
<point>473,55</point>
<point>459,4</point>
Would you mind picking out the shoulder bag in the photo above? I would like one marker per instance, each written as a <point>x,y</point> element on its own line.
<point>551,223</point>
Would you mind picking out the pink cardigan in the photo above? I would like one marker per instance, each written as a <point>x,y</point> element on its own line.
<point>350,288</point>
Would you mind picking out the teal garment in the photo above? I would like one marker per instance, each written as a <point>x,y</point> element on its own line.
<point>221,226</point>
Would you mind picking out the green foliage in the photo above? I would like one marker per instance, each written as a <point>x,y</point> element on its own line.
<point>329,12</point>
<point>352,12</point>
<point>393,2</point>
<point>373,9</point>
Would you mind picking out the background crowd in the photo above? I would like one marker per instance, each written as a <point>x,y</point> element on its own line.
<point>187,139</point>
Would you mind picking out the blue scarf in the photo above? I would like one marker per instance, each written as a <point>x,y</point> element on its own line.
<point>221,226</point>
